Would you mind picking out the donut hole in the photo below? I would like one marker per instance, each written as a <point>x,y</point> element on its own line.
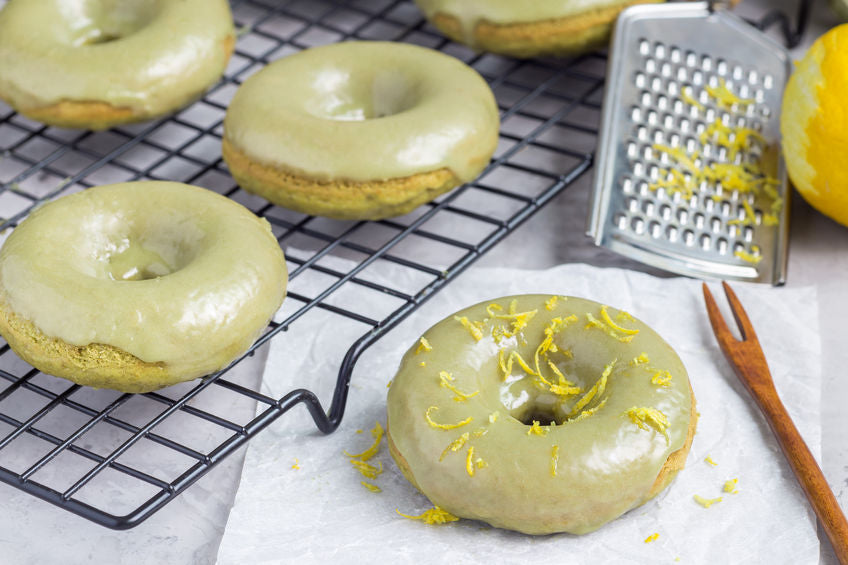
<point>340,96</point>
<point>105,21</point>
<point>525,402</point>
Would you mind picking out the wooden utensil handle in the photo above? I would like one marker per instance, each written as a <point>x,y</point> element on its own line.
<point>807,471</point>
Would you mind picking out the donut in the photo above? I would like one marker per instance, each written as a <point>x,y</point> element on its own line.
<point>360,130</point>
<point>137,286</point>
<point>526,29</point>
<point>95,64</point>
<point>540,414</point>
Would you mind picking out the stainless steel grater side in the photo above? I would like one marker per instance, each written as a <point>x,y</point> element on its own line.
<point>676,186</point>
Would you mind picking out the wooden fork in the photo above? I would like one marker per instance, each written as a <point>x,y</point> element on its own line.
<point>749,363</point>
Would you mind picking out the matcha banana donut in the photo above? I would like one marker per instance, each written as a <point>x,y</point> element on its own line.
<point>540,414</point>
<point>93,64</point>
<point>137,286</point>
<point>360,130</point>
<point>527,29</point>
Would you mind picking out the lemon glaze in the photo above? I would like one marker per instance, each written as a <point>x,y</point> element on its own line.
<point>364,111</point>
<point>150,56</point>
<point>555,460</point>
<point>167,272</point>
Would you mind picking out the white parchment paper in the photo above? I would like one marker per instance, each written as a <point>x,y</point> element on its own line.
<point>320,512</point>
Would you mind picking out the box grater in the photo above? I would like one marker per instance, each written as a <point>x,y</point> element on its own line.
<point>686,83</point>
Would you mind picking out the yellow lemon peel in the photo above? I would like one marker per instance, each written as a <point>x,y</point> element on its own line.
<point>446,381</point>
<point>649,418</point>
<point>493,417</point>
<point>377,434</point>
<point>366,469</point>
<point>661,378</point>
<point>686,96</point>
<point>434,516</point>
<point>455,445</point>
<point>422,364</point>
<point>748,257</point>
<point>430,421</point>
<point>593,322</point>
<point>706,502</point>
<point>605,315</point>
<point>596,390</point>
<point>423,345</point>
<point>296,465</point>
<point>474,328</point>
<point>551,302</point>
<point>492,308</point>
<point>725,97</point>
<point>469,461</point>
<point>371,487</point>
<point>536,429</point>
<point>642,359</point>
<point>710,461</point>
<point>652,537</point>
<point>730,486</point>
<point>589,412</point>
<point>554,460</point>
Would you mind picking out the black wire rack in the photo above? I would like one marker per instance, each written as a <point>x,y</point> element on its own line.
<point>99,453</point>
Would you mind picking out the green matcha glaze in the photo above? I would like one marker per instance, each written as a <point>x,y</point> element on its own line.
<point>148,55</point>
<point>366,111</point>
<point>167,272</point>
<point>606,463</point>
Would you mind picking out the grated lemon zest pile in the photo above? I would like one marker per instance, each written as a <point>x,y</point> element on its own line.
<point>377,434</point>
<point>647,418</point>
<point>686,96</point>
<point>445,380</point>
<point>371,487</point>
<point>748,257</point>
<point>444,426</point>
<point>652,537</point>
<point>474,328</point>
<point>455,445</point>
<point>554,460</point>
<point>605,315</point>
<point>296,465</point>
<point>366,469</point>
<point>725,97</point>
<point>709,460</point>
<point>661,378</point>
<point>536,429</point>
<point>469,461</point>
<point>730,486</point>
<point>519,320</point>
<point>596,390</point>
<point>593,322</point>
<point>706,502</point>
<point>432,517</point>
<point>423,345</point>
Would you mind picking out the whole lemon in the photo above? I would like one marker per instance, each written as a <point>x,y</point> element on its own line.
<point>814,125</point>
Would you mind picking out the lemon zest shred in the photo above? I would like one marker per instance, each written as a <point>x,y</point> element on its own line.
<point>593,322</point>
<point>444,426</point>
<point>479,432</point>
<point>551,302</point>
<point>513,306</point>
<point>469,461</point>
<point>431,517</point>
<point>423,345</point>
<point>493,417</point>
<point>296,465</point>
<point>455,445</point>
<point>445,380</point>
<point>472,327</point>
<point>652,537</point>
<point>706,502</point>
<point>422,364</point>
<point>596,390</point>
<point>642,359</point>
<point>661,378</point>
<point>492,308</point>
<point>724,96</point>
<point>371,487</point>
<point>605,315</point>
<point>710,461</point>
<point>554,460</point>
<point>647,418</point>
<point>366,469</point>
<point>377,434</point>
<point>686,96</point>
<point>748,257</point>
<point>480,463</point>
<point>730,486</point>
<point>536,429</point>
<point>389,384</point>
<point>589,412</point>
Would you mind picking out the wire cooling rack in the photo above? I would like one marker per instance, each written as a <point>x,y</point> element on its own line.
<point>117,458</point>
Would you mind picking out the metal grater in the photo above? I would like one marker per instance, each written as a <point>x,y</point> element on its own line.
<point>658,52</point>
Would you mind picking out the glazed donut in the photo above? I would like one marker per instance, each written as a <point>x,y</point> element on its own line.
<point>527,29</point>
<point>138,286</point>
<point>93,64</point>
<point>360,130</point>
<point>540,414</point>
